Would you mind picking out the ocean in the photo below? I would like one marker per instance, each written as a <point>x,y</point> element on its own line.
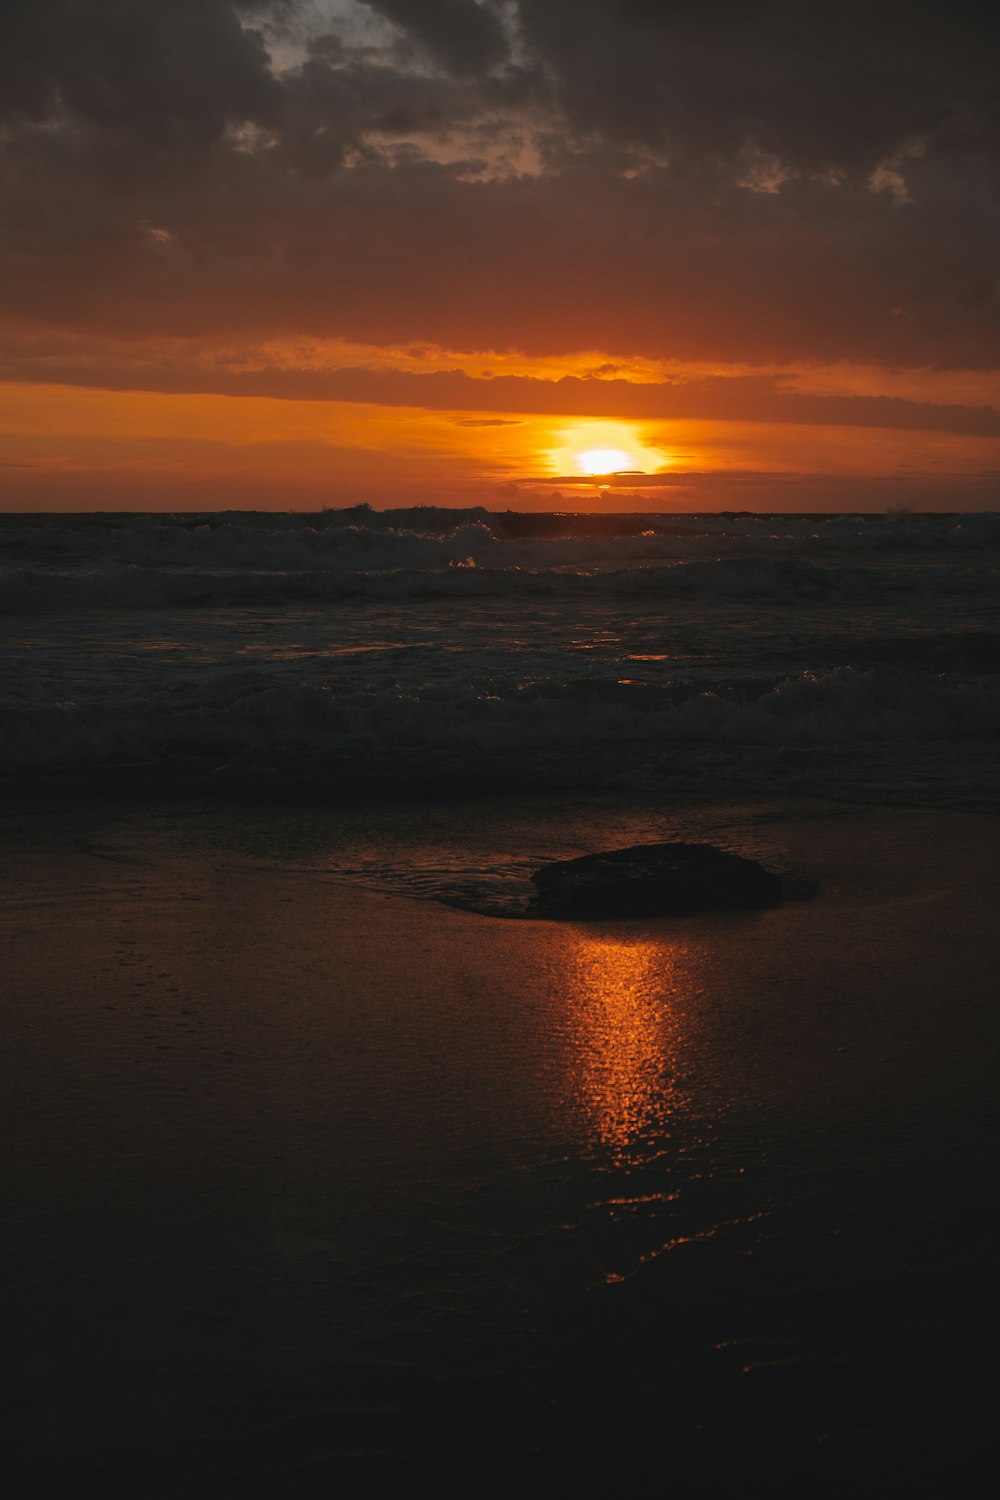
<point>321,1180</point>
<point>420,650</point>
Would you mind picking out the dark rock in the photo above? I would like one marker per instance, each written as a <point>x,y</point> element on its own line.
<point>652,880</point>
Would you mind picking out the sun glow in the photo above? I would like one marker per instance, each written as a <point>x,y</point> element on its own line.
<point>596,449</point>
<point>603,460</point>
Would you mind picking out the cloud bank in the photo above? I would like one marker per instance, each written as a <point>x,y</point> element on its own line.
<point>739,186</point>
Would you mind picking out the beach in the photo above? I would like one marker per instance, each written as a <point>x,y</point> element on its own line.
<point>321,1184</point>
<point>499,725</point>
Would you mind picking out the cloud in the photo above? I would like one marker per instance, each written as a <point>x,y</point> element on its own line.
<point>725,183</point>
<point>165,74</point>
<point>817,87</point>
<point>170,369</point>
<point>414,251</point>
<point>669,479</point>
<point>488,422</point>
<point>465,37</point>
<point>363,103</point>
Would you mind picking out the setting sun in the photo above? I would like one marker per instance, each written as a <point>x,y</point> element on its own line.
<point>603,461</point>
<point>593,449</point>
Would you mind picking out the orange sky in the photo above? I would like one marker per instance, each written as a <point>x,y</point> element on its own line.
<point>289,254</point>
<point>68,447</point>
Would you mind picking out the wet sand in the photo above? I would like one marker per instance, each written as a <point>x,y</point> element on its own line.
<point>317,1186</point>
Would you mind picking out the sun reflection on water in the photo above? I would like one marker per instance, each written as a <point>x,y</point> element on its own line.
<point>626,1035</point>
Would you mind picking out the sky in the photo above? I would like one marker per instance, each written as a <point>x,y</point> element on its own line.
<point>530,254</point>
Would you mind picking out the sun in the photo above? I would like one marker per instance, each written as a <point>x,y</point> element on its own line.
<point>604,460</point>
<point>595,449</point>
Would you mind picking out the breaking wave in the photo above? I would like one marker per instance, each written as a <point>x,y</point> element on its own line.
<point>148,562</point>
<point>607,648</point>
<point>778,580</point>
<point>268,719</point>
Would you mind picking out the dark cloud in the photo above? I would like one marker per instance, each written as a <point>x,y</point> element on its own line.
<point>348,101</point>
<point>463,36</point>
<point>656,265</point>
<point>162,72</point>
<point>763,84</point>
<point>819,86</point>
<point>701,179</point>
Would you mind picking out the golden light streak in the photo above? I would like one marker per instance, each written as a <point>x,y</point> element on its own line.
<point>627,1036</point>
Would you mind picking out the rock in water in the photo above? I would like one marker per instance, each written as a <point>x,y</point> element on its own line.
<point>652,880</point>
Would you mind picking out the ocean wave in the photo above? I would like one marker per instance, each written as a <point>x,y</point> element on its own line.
<point>269,718</point>
<point>422,538</point>
<point>777,580</point>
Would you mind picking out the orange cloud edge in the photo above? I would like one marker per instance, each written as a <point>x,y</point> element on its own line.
<point>173,424</point>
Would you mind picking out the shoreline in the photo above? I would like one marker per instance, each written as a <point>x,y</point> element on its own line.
<point>317,1181</point>
<point>928,776</point>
